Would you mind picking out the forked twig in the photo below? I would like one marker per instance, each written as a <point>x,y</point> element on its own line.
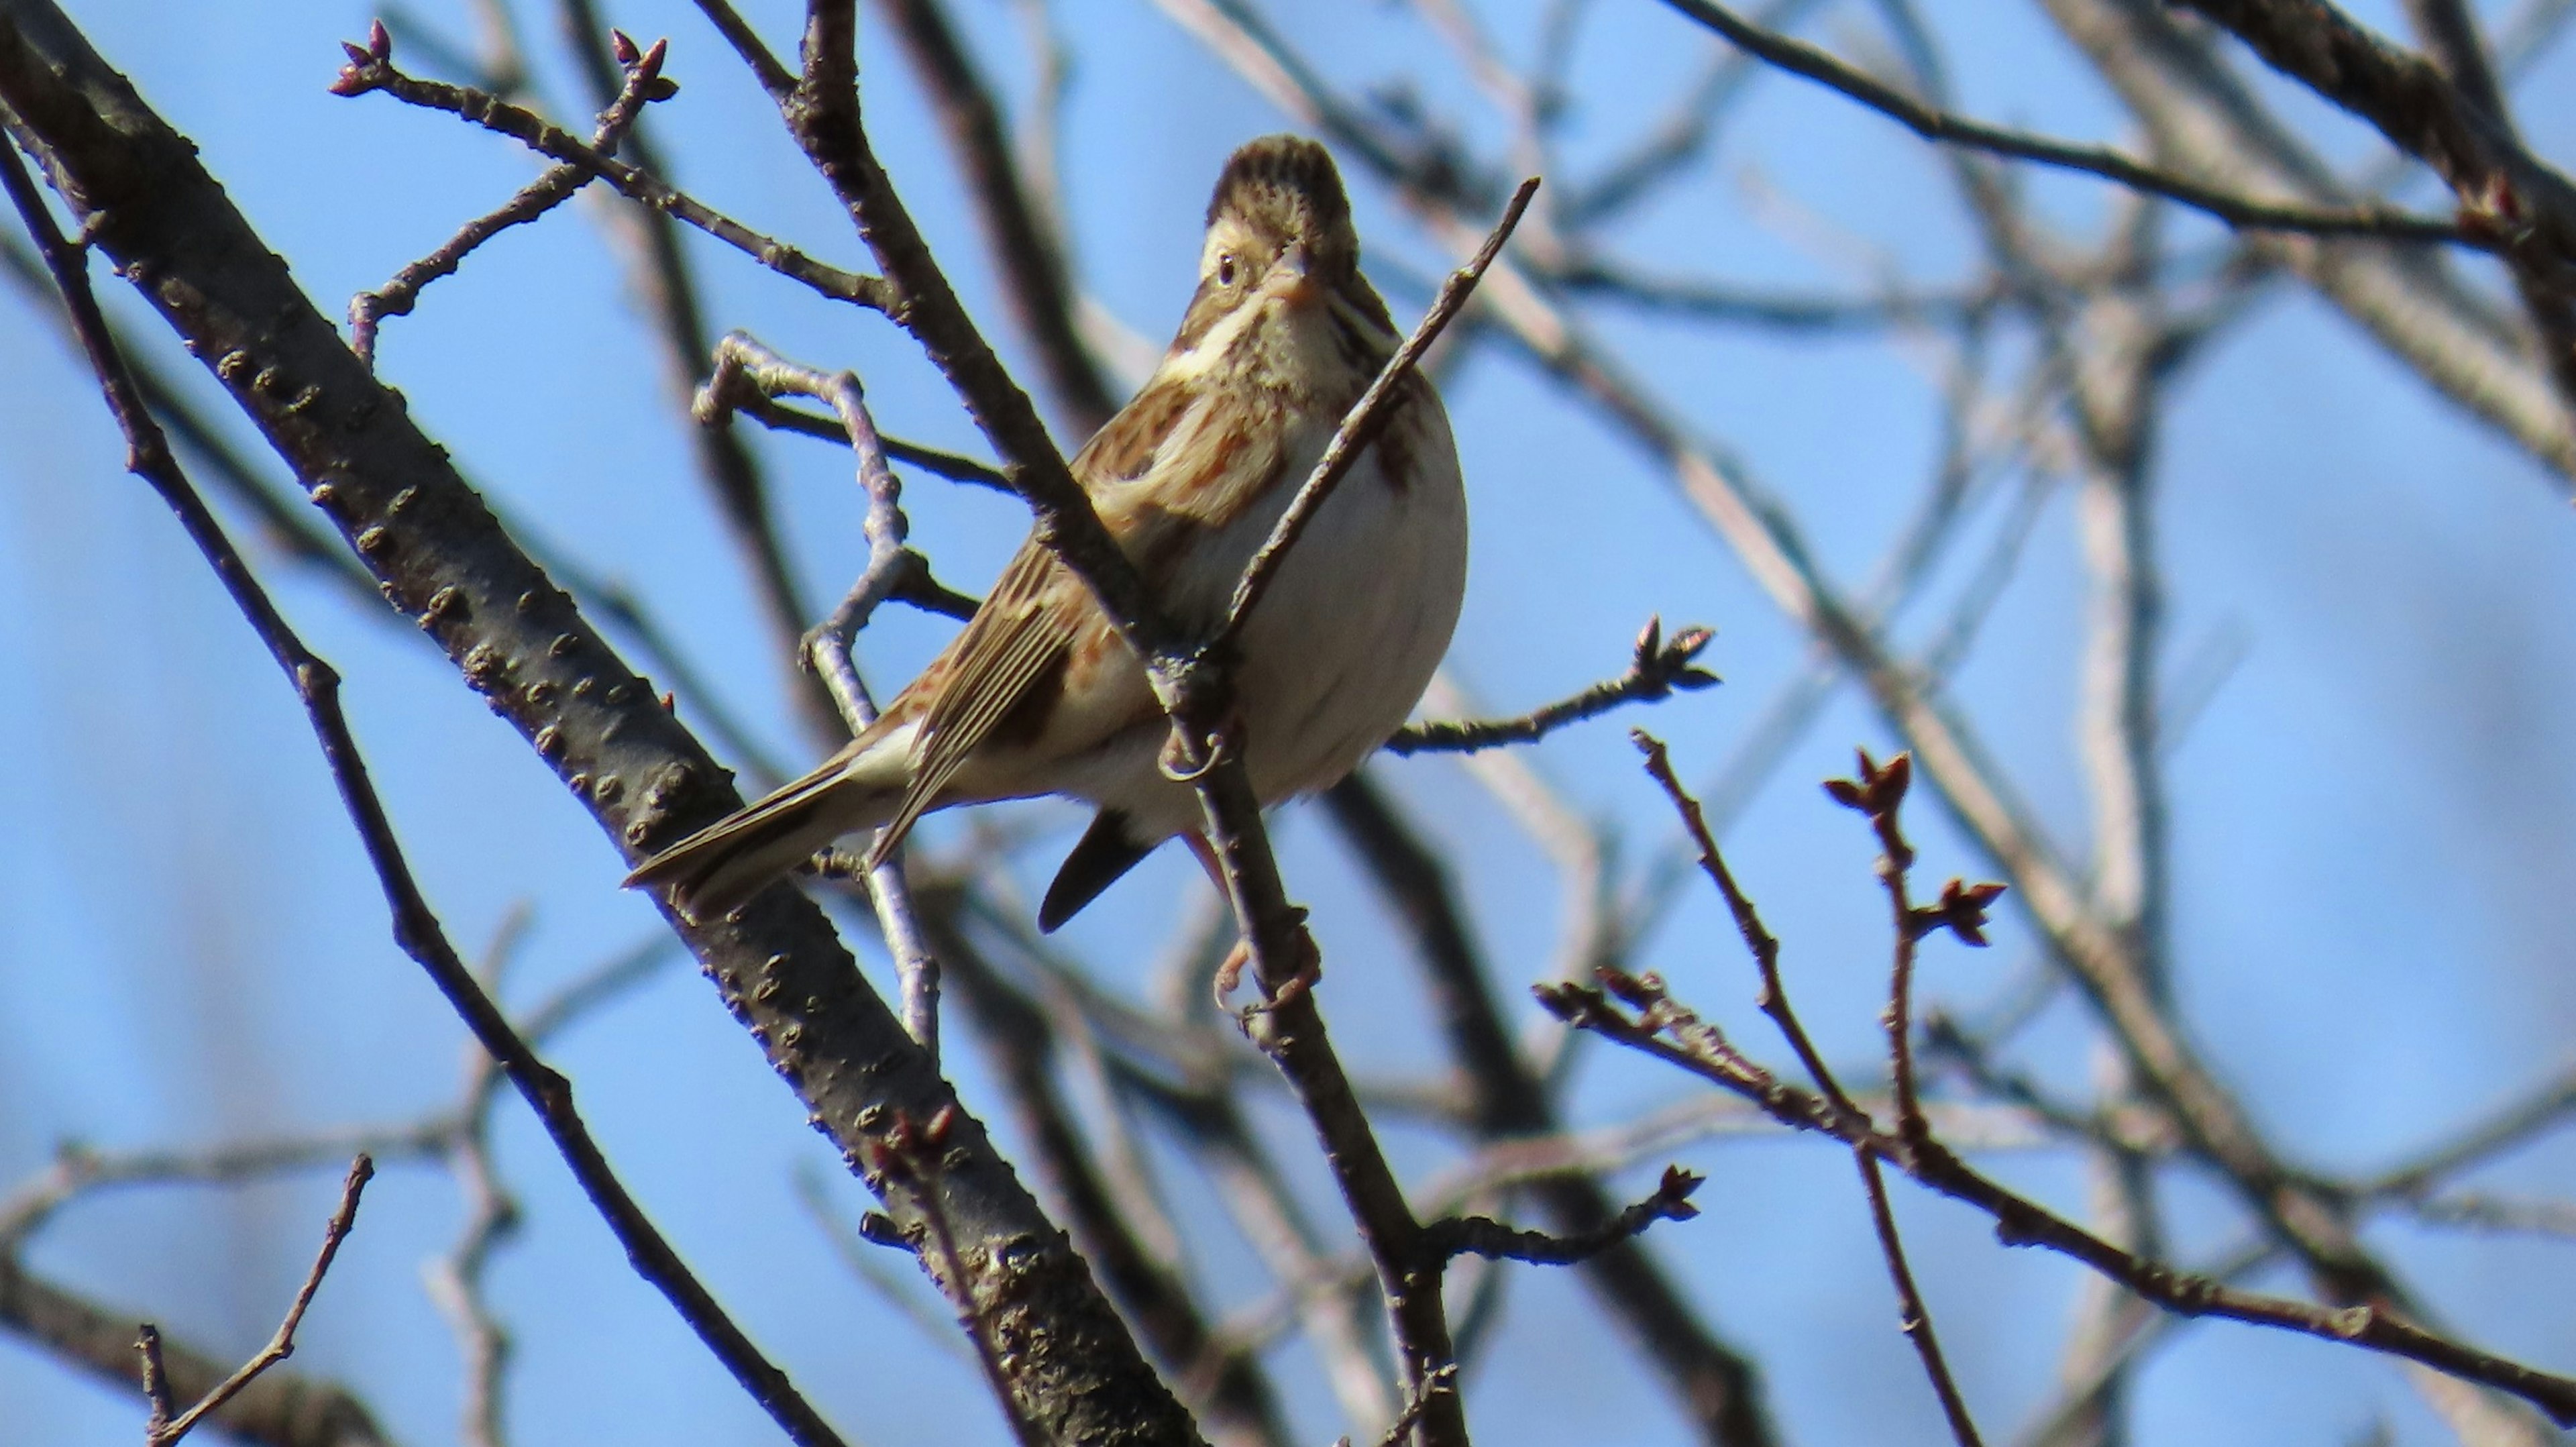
<point>371,68</point>
<point>163,1429</point>
<point>1671,1032</point>
<point>1882,790</point>
<point>644,83</point>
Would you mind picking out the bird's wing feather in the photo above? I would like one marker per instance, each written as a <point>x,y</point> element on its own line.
<point>1013,639</point>
<point>1028,623</point>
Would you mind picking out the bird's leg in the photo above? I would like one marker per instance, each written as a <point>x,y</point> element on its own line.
<point>1230,973</point>
<point>1310,964</point>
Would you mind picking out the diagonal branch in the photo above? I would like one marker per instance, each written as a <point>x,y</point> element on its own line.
<point>164,1430</point>
<point>1718,1387</point>
<point>1028,253</point>
<point>2242,212</point>
<point>643,83</point>
<point>659,269</point>
<point>2021,1222</point>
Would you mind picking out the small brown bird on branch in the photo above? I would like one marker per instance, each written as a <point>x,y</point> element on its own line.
<point>1039,695</point>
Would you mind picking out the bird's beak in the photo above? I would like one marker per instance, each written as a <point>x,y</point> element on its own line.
<point>1292,279</point>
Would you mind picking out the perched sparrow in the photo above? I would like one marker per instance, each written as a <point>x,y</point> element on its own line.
<point>1039,695</point>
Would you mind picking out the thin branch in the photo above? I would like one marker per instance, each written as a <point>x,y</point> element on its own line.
<point>1027,252</point>
<point>1483,1236</point>
<point>2020,1222</point>
<point>2209,122</point>
<point>744,365</point>
<point>1912,1317</point>
<point>1714,1383</point>
<point>2242,212</point>
<point>643,84</point>
<point>823,113</point>
<point>371,68</point>
<point>1685,132</point>
<point>1773,309</point>
<point>281,1344</point>
<point>1660,668</point>
<point>2483,1211</point>
<point>1763,945</point>
<point>1879,792</point>
<point>957,467</point>
<point>1443,1382</point>
<point>659,270</point>
<point>280,1409</point>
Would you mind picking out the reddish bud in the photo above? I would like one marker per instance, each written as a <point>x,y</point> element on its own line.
<point>1962,911</point>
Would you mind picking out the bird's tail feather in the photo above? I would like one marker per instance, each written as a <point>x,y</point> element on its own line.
<point>719,868</point>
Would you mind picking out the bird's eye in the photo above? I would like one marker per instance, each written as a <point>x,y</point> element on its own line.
<point>1225,268</point>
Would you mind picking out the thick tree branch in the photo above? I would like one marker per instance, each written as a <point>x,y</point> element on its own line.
<point>1240,1406</point>
<point>416,928</point>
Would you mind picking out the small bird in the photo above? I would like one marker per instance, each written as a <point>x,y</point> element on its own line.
<point>1039,694</point>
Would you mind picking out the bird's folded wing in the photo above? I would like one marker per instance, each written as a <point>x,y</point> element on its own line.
<point>1009,644</point>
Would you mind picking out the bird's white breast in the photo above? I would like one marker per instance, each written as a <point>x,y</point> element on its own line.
<point>1340,649</point>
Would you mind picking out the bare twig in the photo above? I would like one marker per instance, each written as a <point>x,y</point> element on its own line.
<point>954,466</point>
<point>1026,250</point>
<point>1912,1317</point>
<point>1879,792</point>
<point>1758,939</point>
<point>371,68</point>
<point>165,1430</point>
<point>1661,668</point>
<point>742,364</point>
<point>1715,1383</point>
<point>659,269</point>
<point>1685,131</point>
<point>2020,1222</point>
<point>1941,126</point>
<point>643,83</point>
<point>1482,1236</point>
